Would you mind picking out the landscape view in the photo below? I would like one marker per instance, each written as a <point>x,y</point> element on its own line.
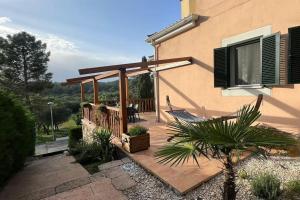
<point>139,100</point>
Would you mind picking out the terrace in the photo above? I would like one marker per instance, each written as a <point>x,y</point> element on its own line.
<point>181,178</point>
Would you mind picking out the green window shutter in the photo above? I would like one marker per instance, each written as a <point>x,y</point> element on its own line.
<point>294,55</point>
<point>270,59</point>
<point>221,67</point>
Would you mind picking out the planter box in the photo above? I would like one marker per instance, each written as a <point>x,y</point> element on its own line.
<point>135,143</point>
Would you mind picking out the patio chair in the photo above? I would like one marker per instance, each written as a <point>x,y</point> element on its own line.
<point>136,111</point>
<point>184,115</point>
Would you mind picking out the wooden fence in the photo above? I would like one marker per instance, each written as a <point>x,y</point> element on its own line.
<point>108,120</point>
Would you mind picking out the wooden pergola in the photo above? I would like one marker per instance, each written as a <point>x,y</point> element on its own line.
<point>122,71</point>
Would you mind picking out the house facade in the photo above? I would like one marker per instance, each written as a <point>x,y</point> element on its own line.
<point>240,48</point>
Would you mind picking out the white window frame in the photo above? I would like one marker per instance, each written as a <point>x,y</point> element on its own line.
<point>247,90</point>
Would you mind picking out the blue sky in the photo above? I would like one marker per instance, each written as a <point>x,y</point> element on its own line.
<point>83,33</point>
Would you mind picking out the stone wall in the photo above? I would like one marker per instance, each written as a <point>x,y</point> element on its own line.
<point>88,129</point>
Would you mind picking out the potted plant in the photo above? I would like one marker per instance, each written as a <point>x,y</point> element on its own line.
<point>103,108</point>
<point>137,139</point>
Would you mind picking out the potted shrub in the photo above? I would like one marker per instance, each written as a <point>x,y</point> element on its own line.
<point>102,108</point>
<point>137,139</point>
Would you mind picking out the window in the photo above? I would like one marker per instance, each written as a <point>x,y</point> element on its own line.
<point>252,62</point>
<point>245,64</point>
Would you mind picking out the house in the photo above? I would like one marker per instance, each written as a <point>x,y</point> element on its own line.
<point>240,48</point>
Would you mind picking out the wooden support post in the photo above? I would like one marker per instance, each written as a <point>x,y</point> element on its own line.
<point>127,89</point>
<point>122,95</point>
<point>82,95</point>
<point>96,91</point>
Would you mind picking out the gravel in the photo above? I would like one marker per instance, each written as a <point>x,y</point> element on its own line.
<point>149,187</point>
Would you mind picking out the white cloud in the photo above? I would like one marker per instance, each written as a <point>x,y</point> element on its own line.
<point>4,20</point>
<point>66,58</point>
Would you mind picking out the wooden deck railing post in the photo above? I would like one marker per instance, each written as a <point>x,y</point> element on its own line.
<point>122,95</point>
<point>127,89</point>
<point>96,90</point>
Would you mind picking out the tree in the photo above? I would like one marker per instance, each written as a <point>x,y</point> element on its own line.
<point>222,140</point>
<point>144,85</point>
<point>23,65</point>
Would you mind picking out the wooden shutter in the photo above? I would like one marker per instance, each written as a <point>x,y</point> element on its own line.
<point>294,55</point>
<point>270,59</point>
<point>221,67</point>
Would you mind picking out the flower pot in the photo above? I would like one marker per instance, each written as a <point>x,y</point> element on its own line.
<point>135,143</point>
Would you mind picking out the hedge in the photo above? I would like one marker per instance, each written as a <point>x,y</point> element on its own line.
<point>17,135</point>
<point>75,135</point>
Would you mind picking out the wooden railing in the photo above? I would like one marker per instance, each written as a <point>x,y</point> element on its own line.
<point>108,120</point>
<point>145,105</point>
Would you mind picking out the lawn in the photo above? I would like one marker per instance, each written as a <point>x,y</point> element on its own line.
<point>63,130</point>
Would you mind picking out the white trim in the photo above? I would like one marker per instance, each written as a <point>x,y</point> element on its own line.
<point>246,92</point>
<point>263,31</point>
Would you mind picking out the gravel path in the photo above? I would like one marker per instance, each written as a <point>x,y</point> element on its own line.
<point>148,187</point>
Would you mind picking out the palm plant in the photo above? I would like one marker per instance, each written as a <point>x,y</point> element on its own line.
<point>222,140</point>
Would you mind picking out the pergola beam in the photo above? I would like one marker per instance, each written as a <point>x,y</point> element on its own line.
<point>79,79</point>
<point>107,75</point>
<point>131,65</point>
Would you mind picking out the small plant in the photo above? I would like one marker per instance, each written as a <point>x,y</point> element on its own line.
<point>88,152</point>
<point>266,186</point>
<point>137,130</point>
<point>85,103</point>
<point>106,148</point>
<point>292,189</point>
<point>243,174</point>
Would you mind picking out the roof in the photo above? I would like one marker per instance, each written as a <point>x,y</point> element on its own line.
<point>172,30</point>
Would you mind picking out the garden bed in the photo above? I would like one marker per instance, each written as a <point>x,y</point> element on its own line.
<point>149,187</point>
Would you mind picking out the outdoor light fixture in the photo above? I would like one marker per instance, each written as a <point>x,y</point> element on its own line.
<point>51,105</point>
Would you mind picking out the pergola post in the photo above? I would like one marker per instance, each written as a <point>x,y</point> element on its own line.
<point>122,95</point>
<point>82,95</point>
<point>96,90</point>
<point>156,95</point>
<point>127,89</point>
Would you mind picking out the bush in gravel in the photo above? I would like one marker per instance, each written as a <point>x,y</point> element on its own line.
<point>137,130</point>
<point>292,189</point>
<point>243,174</point>
<point>75,135</point>
<point>17,135</point>
<point>266,186</point>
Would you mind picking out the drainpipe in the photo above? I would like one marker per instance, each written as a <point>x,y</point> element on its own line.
<point>156,84</point>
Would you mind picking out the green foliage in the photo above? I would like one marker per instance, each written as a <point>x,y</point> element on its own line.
<point>292,189</point>
<point>88,152</point>
<point>103,108</point>
<point>17,135</point>
<point>243,174</point>
<point>103,139</point>
<point>75,135</point>
<point>220,139</point>
<point>266,186</point>
<point>23,65</point>
<point>137,130</point>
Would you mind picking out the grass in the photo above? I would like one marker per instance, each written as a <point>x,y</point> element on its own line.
<point>42,138</point>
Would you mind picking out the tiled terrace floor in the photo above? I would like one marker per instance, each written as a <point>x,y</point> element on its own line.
<point>182,178</point>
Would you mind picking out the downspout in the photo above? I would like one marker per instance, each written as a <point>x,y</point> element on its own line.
<point>156,84</point>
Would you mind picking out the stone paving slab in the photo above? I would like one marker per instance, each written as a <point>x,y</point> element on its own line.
<point>61,144</point>
<point>123,182</point>
<point>111,164</point>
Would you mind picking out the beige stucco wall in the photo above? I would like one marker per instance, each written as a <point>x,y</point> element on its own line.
<point>191,87</point>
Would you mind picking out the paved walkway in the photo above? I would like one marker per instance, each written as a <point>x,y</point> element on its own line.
<point>61,144</point>
<point>59,177</point>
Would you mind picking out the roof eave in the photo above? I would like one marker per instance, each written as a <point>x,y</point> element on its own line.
<point>173,28</point>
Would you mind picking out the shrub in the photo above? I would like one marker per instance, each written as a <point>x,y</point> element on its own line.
<point>266,186</point>
<point>107,149</point>
<point>243,174</point>
<point>137,130</point>
<point>17,135</point>
<point>88,152</point>
<point>75,135</point>
<point>103,108</point>
<point>292,189</point>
